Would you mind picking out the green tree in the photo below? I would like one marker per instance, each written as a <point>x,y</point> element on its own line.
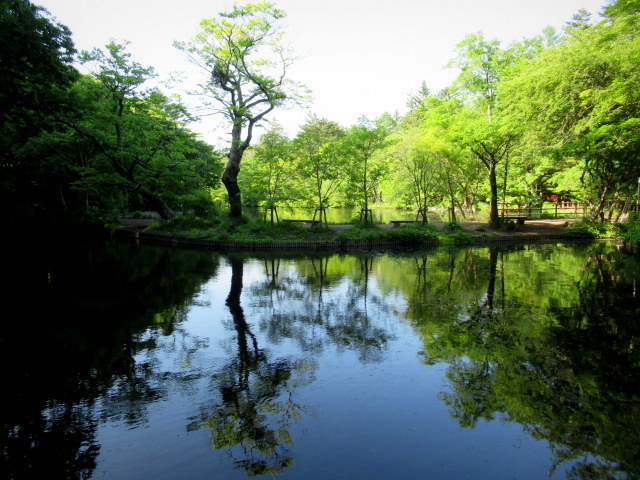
<point>417,166</point>
<point>320,160</point>
<point>444,130</point>
<point>365,171</point>
<point>482,64</point>
<point>138,140</point>
<point>416,100</point>
<point>247,69</point>
<point>579,102</point>
<point>35,72</point>
<point>267,176</point>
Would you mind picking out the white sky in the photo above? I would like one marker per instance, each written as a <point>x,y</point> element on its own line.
<point>358,57</point>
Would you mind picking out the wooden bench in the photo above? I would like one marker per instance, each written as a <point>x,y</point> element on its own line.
<point>396,223</point>
<point>296,220</point>
<point>518,218</point>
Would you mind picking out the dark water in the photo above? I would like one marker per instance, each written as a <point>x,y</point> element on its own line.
<point>136,362</point>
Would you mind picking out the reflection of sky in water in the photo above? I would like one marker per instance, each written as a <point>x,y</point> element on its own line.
<point>360,418</point>
<point>340,380</point>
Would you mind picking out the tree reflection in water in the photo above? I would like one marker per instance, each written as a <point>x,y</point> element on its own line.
<point>76,348</point>
<point>256,403</point>
<point>559,357</point>
<point>255,406</point>
<point>327,303</point>
<point>562,363</point>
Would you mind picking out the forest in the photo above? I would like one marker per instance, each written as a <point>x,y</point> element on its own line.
<point>550,118</point>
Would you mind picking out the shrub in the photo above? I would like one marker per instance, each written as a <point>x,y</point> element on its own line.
<point>592,228</point>
<point>201,204</point>
<point>182,224</point>
<point>629,231</point>
<point>460,238</point>
<point>413,233</point>
<point>452,227</point>
<point>359,233</point>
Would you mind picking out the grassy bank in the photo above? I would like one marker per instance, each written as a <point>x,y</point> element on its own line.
<point>225,229</point>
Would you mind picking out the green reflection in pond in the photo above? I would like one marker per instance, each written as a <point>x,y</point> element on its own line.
<point>255,405</point>
<point>256,402</point>
<point>540,337</point>
<point>545,336</point>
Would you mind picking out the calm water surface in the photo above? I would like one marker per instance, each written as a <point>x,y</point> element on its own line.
<point>499,363</point>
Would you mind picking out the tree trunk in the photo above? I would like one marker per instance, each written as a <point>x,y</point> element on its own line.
<point>366,197</point>
<point>504,186</point>
<point>230,175</point>
<point>230,181</point>
<point>158,204</point>
<point>494,218</point>
<point>598,212</point>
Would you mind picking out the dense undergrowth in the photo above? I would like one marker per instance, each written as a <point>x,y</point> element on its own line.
<point>593,229</point>
<point>629,232</point>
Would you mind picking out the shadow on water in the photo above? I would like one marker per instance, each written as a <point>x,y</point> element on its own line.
<point>332,306</point>
<point>73,323</point>
<point>82,344</point>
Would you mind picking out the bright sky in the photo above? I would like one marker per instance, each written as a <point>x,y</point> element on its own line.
<point>358,57</point>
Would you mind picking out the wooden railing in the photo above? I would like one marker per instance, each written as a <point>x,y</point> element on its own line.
<point>552,209</point>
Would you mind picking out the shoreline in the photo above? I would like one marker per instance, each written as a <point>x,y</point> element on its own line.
<point>538,231</point>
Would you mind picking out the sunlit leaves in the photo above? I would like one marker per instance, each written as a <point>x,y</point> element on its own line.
<point>580,98</point>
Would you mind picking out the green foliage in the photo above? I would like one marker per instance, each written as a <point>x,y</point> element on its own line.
<point>452,226</point>
<point>413,234</point>
<point>35,70</point>
<point>239,229</point>
<point>183,224</point>
<point>629,231</point>
<point>246,229</point>
<point>320,161</point>
<point>457,239</point>
<point>554,356</point>
<point>361,233</point>
<point>246,66</point>
<point>590,228</point>
<point>268,171</point>
<point>481,63</point>
<point>547,115</point>
<point>201,204</point>
<point>133,140</point>
<point>365,168</point>
<point>579,99</point>
<point>35,74</point>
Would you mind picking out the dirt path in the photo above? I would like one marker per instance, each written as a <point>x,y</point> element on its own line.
<point>554,226</point>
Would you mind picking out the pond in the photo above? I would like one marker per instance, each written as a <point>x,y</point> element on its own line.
<point>348,214</point>
<point>129,362</point>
